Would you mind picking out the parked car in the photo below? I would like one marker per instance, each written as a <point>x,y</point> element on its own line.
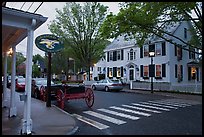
<point>39,85</point>
<point>107,85</point>
<point>20,84</point>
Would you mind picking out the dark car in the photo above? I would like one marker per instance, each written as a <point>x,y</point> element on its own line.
<point>107,85</point>
<point>20,84</point>
<point>38,85</point>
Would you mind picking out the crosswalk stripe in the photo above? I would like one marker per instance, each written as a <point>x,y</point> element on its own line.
<point>104,117</point>
<point>151,107</point>
<point>167,103</point>
<point>144,109</point>
<point>119,114</point>
<point>131,111</point>
<point>177,103</point>
<point>159,105</point>
<point>91,122</point>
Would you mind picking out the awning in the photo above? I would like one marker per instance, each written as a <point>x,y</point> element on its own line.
<point>193,64</point>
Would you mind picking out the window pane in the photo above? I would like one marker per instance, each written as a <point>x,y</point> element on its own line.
<point>146,73</point>
<point>158,70</point>
<point>146,51</point>
<point>158,49</point>
<point>118,72</point>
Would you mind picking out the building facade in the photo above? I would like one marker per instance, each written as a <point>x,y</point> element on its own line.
<point>125,60</point>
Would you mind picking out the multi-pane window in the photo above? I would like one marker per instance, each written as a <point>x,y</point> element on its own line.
<point>191,53</point>
<point>118,72</point>
<point>158,48</point>
<point>146,51</point>
<point>131,54</point>
<point>111,55</point>
<point>118,54</point>
<point>99,69</point>
<point>158,70</point>
<point>110,72</point>
<point>146,72</point>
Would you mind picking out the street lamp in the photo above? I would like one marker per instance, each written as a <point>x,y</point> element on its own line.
<point>151,73</point>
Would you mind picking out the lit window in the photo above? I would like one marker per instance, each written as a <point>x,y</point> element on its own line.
<point>158,70</point>
<point>193,73</point>
<point>146,72</point>
<point>110,72</point>
<point>118,72</point>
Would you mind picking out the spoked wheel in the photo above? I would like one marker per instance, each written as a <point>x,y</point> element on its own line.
<point>60,99</point>
<point>42,93</point>
<point>89,97</point>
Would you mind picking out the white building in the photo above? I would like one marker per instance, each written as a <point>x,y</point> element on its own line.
<point>125,60</point>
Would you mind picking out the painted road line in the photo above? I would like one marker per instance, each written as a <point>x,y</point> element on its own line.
<point>104,117</point>
<point>144,109</point>
<point>91,122</point>
<point>165,109</point>
<point>167,103</point>
<point>131,111</point>
<point>119,114</point>
<point>159,105</point>
<point>176,103</point>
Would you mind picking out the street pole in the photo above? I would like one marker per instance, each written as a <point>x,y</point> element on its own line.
<point>48,103</point>
<point>152,76</point>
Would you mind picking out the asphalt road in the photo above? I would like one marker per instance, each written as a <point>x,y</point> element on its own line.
<point>122,113</point>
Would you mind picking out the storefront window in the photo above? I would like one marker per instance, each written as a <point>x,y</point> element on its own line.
<point>146,73</point>
<point>158,70</point>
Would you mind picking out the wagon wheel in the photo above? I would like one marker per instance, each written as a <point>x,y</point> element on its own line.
<point>89,97</point>
<point>60,99</point>
<point>42,93</point>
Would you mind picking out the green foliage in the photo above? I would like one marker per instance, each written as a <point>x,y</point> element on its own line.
<point>78,27</point>
<point>144,19</point>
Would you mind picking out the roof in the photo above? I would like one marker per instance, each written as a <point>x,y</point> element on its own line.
<point>120,41</point>
<point>15,24</point>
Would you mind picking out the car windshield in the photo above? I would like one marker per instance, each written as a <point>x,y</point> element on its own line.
<point>21,80</point>
<point>43,82</point>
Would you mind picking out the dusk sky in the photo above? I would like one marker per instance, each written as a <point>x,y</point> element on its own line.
<point>47,9</point>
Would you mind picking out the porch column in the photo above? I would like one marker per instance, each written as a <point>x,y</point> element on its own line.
<point>12,110</point>
<point>4,103</point>
<point>27,121</point>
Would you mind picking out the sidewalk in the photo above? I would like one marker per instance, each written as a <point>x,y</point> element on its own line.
<point>197,98</point>
<point>45,120</point>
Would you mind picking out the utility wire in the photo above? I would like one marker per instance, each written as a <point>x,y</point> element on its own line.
<point>22,5</point>
<point>30,6</point>
<point>38,7</point>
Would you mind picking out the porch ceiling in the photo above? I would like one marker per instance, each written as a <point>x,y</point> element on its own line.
<point>15,24</point>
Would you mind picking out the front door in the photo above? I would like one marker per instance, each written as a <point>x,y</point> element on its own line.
<point>131,74</point>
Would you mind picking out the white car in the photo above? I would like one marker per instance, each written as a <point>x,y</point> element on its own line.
<point>107,85</point>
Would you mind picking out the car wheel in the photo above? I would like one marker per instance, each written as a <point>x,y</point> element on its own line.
<point>94,87</point>
<point>106,89</point>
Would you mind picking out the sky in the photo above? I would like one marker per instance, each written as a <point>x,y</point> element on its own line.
<point>47,9</point>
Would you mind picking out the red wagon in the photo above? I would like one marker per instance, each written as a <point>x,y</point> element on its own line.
<point>66,92</point>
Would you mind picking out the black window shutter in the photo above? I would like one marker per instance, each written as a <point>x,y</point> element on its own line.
<point>152,70</point>
<point>114,71</point>
<point>107,56</point>
<point>114,55</point>
<point>175,71</point>
<point>175,49</point>
<point>189,73</point>
<point>197,76</point>
<point>163,70</point>
<point>121,54</point>
<point>163,49</point>
<point>107,71</point>
<point>141,52</point>
<point>189,53</point>
<point>141,70</point>
<point>121,71</point>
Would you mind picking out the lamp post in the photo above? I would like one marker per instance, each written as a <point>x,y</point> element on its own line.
<point>151,54</point>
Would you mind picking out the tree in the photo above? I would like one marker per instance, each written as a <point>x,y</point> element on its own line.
<point>78,27</point>
<point>141,20</point>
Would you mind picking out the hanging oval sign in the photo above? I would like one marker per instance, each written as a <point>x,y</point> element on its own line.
<point>49,43</point>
